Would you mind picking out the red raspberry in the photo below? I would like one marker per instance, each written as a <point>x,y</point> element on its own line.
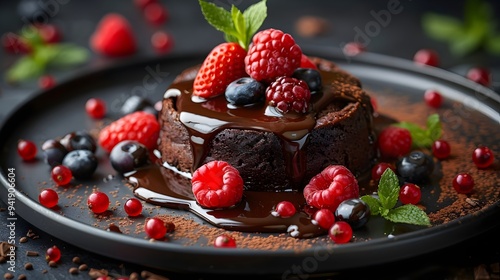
<point>114,36</point>
<point>394,142</point>
<point>139,126</point>
<point>224,64</point>
<point>330,187</point>
<point>289,94</point>
<point>305,62</point>
<point>272,54</point>
<point>217,184</point>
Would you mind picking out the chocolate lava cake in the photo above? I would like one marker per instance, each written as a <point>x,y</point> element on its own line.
<point>272,152</point>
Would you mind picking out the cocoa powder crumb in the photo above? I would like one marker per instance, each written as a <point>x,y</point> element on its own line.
<point>73,270</point>
<point>83,267</point>
<point>95,273</point>
<point>23,239</point>
<point>52,264</point>
<point>8,275</point>
<point>312,26</point>
<point>76,260</point>
<point>134,276</point>
<point>22,277</point>
<point>31,253</point>
<point>28,266</point>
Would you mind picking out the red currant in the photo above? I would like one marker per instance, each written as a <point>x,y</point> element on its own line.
<point>53,254</point>
<point>46,82</point>
<point>324,218</point>
<point>48,198</point>
<point>433,98</point>
<point>26,149</point>
<point>410,194</point>
<point>379,169</point>
<point>14,44</point>
<point>61,175</point>
<point>441,149</point>
<point>98,202</point>
<point>162,42</point>
<point>50,33</point>
<point>340,232</point>
<point>155,13</point>
<point>284,209</point>
<point>480,75</point>
<point>155,228</point>
<point>224,241</point>
<point>463,183</point>
<point>95,108</point>
<point>483,157</point>
<point>133,207</point>
<point>353,48</point>
<point>426,57</point>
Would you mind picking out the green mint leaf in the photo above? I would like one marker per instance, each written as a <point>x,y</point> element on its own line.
<point>373,203</point>
<point>218,17</point>
<point>43,54</point>
<point>254,17</point>
<point>25,68</point>
<point>32,36</point>
<point>68,55</point>
<point>239,25</point>
<point>424,137</point>
<point>388,189</point>
<point>443,28</point>
<point>408,214</point>
<point>434,130</point>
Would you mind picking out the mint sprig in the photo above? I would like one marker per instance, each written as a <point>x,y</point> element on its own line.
<point>384,205</point>
<point>424,137</point>
<point>475,31</point>
<point>237,26</point>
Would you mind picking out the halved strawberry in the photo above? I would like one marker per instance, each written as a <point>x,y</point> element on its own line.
<point>224,64</point>
<point>113,36</point>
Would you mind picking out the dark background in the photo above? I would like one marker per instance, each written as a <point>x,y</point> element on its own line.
<point>401,37</point>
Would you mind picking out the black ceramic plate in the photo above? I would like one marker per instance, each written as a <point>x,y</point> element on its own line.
<point>55,112</point>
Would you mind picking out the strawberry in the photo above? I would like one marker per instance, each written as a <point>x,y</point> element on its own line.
<point>217,184</point>
<point>330,187</point>
<point>113,36</point>
<point>139,126</point>
<point>224,64</point>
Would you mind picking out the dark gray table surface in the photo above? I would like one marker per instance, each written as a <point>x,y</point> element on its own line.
<point>401,37</point>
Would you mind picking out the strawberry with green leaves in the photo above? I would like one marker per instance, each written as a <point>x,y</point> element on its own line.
<point>226,62</point>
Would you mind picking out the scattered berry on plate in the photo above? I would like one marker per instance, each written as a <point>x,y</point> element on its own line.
<point>139,126</point>
<point>48,198</point>
<point>379,169</point>
<point>53,254</point>
<point>463,183</point>
<point>426,57</point>
<point>244,91</point>
<point>46,82</point>
<point>95,108</point>
<point>79,140</point>
<point>162,42</point>
<point>311,76</point>
<point>217,184</point>
<point>133,207</point>
<point>483,157</point>
<point>224,64</point>
<point>284,209</point>
<point>224,241</point>
<point>441,149</point>
<point>26,149</point>
<point>14,44</point>
<point>49,33</point>
<point>354,211</point>
<point>98,202</point>
<point>155,13</point>
<point>61,175</point>
<point>113,36</point>
<point>353,48</point>
<point>135,103</point>
<point>324,218</point>
<point>305,62</point>
<point>410,194</point>
<point>330,187</point>
<point>155,228</point>
<point>128,155</point>
<point>82,163</point>
<point>415,167</point>
<point>479,75</point>
<point>272,54</point>
<point>53,152</point>
<point>394,142</point>
<point>288,94</point>
<point>340,232</point>
<point>433,98</point>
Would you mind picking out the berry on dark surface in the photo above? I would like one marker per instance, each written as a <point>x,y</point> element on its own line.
<point>483,157</point>
<point>49,32</point>
<point>79,140</point>
<point>48,198</point>
<point>98,202</point>
<point>133,104</point>
<point>433,98</point>
<point>394,142</point>
<point>479,75</point>
<point>46,82</point>
<point>340,232</point>
<point>354,211</point>
<point>14,44</point>
<point>61,175</point>
<point>441,149</point>
<point>133,207</point>
<point>82,163</point>
<point>310,76</point>
<point>162,41</point>
<point>95,108</point>
<point>53,254</point>
<point>155,228</point>
<point>353,48</point>
<point>224,241</point>
<point>415,167</point>
<point>324,218</point>
<point>34,11</point>
<point>463,183</point>
<point>26,149</point>
<point>288,94</point>
<point>284,209</point>
<point>410,194</point>
<point>53,152</point>
<point>245,91</point>
<point>128,155</point>
<point>155,13</point>
<point>426,57</point>
<point>379,169</point>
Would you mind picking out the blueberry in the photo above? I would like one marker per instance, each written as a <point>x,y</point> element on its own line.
<point>415,167</point>
<point>34,11</point>
<point>79,140</point>
<point>82,163</point>
<point>353,211</point>
<point>310,76</point>
<point>136,103</point>
<point>128,155</point>
<point>244,91</point>
<point>53,152</point>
